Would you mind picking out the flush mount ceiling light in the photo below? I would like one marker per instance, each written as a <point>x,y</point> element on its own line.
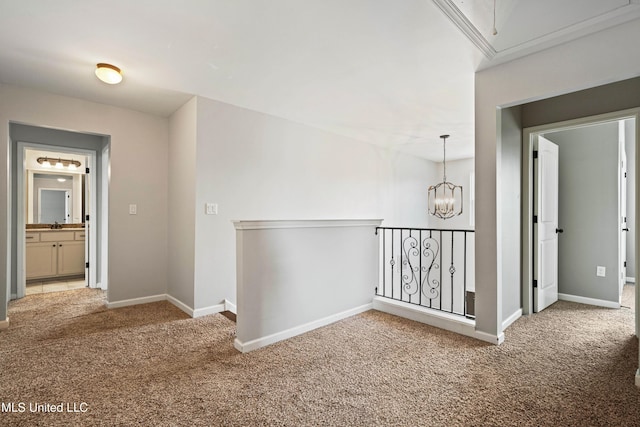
<point>108,73</point>
<point>445,199</point>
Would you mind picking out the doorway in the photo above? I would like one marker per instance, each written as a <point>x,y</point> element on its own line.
<point>82,247</point>
<point>593,272</point>
<point>56,196</point>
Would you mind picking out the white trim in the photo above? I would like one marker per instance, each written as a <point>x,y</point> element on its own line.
<point>297,330</point>
<point>509,320</point>
<point>182,306</point>
<point>199,312</point>
<point>14,296</point>
<point>136,301</point>
<point>315,223</point>
<point>4,324</point>
<point>442,320</point>
<point>589,301</point>
<point>229,306</point>
<point>456,16</point>
<point>173,300</point>
<point>492,339</point>
<point>630,280</point>
<point>638,378</point>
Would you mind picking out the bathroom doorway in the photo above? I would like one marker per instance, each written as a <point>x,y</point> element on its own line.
<point>65,250</point>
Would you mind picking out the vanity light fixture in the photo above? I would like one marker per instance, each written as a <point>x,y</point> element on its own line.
<point>59,163</point>
<point>445,199</point>
<point>108,73</point>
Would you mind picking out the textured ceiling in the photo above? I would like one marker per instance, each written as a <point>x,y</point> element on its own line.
<point>394,74</point>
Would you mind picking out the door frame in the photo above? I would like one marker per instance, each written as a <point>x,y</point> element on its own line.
<point>21,220</point>
<point>528,136</point>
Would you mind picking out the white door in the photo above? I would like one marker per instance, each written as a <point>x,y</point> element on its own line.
<point>545,211</point>
<point>622,218</point>
<point>87,221</point>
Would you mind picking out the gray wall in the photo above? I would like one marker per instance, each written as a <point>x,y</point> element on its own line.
<point>509,220</point>
<point>588,211</point>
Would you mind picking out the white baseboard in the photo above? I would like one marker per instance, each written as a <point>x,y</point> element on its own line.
<point>182,306</point>
<point>199,312</point>
<point>490,338</point>
<point>257,343</point>
<point>509,320</point>
<point>589,301</point>
<point>4,324</point>
<point>638,378</point>
<point>442,320</point>
<point>136,301</point>
<point>229,306</point>
<point>630,280</point>
<point>13,296</point>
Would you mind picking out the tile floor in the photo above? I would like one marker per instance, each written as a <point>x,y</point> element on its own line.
<point>54,286</point>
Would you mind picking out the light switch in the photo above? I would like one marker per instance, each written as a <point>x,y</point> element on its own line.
<point>133,209</point>
<point>601,271</point>
<point>211,208</point>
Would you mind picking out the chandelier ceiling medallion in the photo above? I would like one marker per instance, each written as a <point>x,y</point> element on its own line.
<point>445,198</point>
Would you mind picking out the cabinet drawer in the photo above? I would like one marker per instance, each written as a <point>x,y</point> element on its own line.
<point>32,237</point>
<point>56,236</point>
<point>79,235</point>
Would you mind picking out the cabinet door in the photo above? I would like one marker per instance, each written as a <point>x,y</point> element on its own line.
<point>70,257</point>
<point>41,259</point>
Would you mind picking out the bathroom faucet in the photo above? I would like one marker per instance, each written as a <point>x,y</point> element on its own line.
<point>56,226</point>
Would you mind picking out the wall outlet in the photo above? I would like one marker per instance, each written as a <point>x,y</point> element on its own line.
<point>133,209</point>
<point>601,271</point>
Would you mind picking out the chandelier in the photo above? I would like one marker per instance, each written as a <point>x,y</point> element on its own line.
<point>445,198</point>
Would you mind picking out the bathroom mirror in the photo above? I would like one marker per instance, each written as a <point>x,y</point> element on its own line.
<point>55,198</point>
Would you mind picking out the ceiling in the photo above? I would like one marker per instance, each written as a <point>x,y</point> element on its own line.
<point>394,74</point>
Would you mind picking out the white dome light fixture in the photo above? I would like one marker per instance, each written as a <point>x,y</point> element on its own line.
<point>108,73</point>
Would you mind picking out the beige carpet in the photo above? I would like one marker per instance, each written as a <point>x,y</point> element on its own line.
<point>571,365</point>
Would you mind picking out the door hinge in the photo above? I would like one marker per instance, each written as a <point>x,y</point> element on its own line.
<point>624,264</point>
<point>535,219</point>
<point>625,174</point>
<point>86,218</point>
<point>535,283</point>
<point>86,265</point>
<point>86,170</point>
<point>535,154</point>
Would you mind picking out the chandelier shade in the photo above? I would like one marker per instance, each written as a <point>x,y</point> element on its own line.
<point>445,199</point>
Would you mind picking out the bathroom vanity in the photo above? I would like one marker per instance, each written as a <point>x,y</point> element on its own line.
<point>52,253</point>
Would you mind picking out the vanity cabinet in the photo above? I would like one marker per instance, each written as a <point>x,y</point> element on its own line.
<point>54,253</point>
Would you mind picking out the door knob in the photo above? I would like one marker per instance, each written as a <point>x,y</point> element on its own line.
<point>559,230</point>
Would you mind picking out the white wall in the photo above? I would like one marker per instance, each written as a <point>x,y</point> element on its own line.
<point>458,172</point>
<point>294,276</point>
<point>593,60</point>
<point>256,167</point>
<point>138,174</point>
<point>182,194</point>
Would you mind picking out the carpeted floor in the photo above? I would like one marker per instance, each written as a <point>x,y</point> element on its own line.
<point>571,365</point>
